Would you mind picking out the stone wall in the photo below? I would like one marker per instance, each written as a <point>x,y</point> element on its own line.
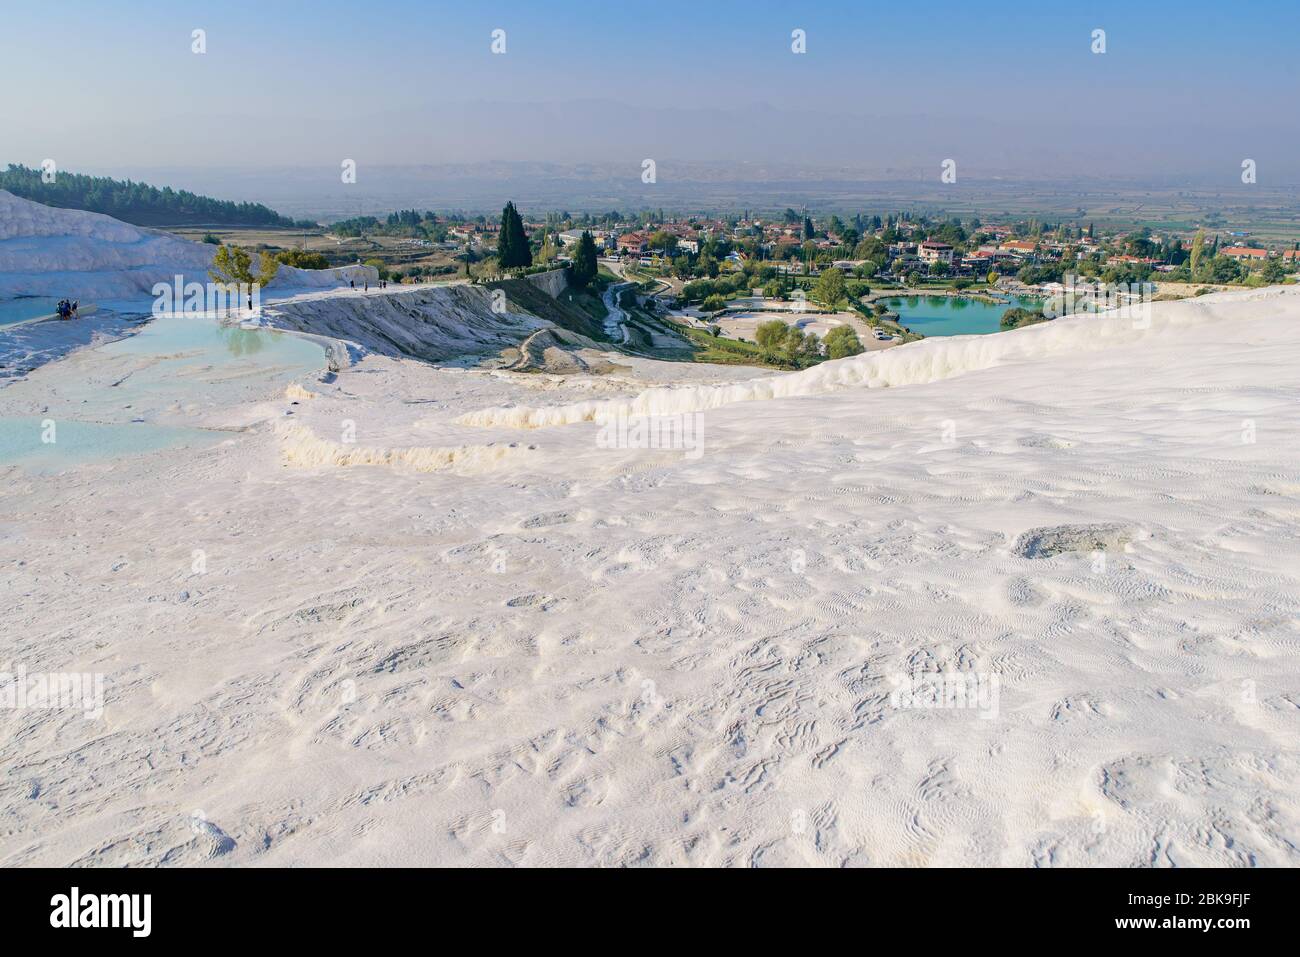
<point>552,283</point>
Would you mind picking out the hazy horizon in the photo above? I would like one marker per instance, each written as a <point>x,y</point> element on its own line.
<point>1180,95</point>
<point>701,188</point>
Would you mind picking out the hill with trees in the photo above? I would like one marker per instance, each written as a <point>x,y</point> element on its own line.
<point>409,223</point>
<point>137,203</point>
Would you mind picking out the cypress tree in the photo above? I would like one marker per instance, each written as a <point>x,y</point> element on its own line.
<point>584,261</point>
<point>504,255</point>
<point>513,251</point>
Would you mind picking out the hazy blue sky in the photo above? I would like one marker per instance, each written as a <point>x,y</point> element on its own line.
<point>1184,88</point>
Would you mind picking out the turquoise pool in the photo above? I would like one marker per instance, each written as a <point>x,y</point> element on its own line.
<point>51,444</point>
<point>952,315</point>
<point>191,364</point>
<point>140,393</point>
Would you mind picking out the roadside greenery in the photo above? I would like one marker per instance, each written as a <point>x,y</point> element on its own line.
<point>842,342</point>
<point>782,344</point>
<point>1019,316</point>
<point>301,259</point>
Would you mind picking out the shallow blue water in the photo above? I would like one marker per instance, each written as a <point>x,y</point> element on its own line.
<point>52,444</point>
<point>20,310</point>
<point>197,363</point>
<point>175,368</point>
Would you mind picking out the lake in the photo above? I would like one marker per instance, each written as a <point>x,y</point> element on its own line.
<point>953,315</point>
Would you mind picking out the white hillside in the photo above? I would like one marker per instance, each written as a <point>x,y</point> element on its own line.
<point>53,252</point>
<point>920,363</point>
<point>45,251</point>
<point>426,322</point>
<point>1034,603</point>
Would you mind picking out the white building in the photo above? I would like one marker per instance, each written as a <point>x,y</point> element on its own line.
<point>933,252</point>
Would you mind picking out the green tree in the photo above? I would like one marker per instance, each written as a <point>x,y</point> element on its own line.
<point>1224,269</point>
<point>663,241</point>
<point>504,253</point>
<point>301,259</point>
<point>842,342</point>
<point>805,349</point>
<point>1198,250</point>
<point>513,251</point>
<point>233,266</point>
<point>771,334</point>
<point>829,289</point>
<point>547,253</point>
<point>584,261</point>
<point>1016,317</point>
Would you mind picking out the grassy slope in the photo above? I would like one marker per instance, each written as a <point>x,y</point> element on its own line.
<point>583,311</point>
<point>719,351</point>
<point>568,312</point>
<point>588,302</point>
